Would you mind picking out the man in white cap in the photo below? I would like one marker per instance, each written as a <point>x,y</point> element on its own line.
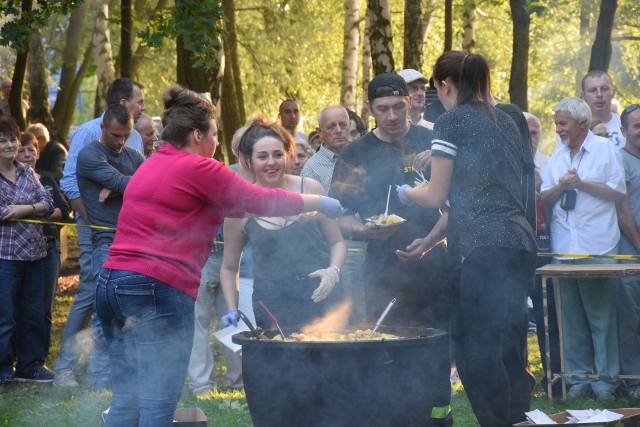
<point>417,84</point>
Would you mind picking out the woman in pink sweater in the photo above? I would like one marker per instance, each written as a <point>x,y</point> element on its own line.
<point>147,287</point>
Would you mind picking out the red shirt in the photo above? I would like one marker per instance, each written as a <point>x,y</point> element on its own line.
<point>172,209</point>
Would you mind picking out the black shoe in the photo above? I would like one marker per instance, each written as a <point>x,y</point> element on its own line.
<point>41,374</point>
<point>6,379</point>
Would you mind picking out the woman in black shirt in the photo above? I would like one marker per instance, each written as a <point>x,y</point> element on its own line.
<point>477,165</point>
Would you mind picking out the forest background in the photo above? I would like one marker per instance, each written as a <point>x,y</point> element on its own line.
<point>251,54</point>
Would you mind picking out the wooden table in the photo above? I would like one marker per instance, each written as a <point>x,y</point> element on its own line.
<point>575,271</point>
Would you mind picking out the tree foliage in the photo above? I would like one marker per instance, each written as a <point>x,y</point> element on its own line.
<point>196,22</point>
<point>18,31</point>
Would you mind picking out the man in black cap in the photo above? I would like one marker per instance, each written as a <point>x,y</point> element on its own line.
<point>403,261</point>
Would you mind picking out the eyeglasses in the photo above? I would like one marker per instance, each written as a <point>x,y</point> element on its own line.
<point>630,109</point>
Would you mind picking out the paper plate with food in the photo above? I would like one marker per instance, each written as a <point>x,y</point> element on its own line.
<point>386,220</point>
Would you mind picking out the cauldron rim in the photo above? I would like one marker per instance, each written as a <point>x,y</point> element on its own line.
<point>416,338</point>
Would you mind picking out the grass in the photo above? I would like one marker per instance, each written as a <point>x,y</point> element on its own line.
<point>44,405</point>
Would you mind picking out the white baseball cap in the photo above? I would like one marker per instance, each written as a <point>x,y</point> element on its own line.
<point>410,75</point>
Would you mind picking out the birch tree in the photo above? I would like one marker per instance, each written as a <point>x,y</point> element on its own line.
<point>469,25</point>
<point>381,38</point>
<point>103,57</point>
<point>350,54</point>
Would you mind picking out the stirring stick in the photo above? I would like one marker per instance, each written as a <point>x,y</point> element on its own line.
<point>273,319</point>
<point>386,211</point>
<point>384,314</point>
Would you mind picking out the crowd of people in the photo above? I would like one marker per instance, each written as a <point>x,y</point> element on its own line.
<point>476,198</point>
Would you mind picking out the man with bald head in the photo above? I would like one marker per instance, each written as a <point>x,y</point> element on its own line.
<point>147,130</point>
<point>333,128</point>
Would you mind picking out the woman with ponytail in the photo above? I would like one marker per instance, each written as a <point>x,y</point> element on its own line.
<point>477,165</point>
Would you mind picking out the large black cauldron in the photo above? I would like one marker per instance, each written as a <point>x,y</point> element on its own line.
<point>358,383</point>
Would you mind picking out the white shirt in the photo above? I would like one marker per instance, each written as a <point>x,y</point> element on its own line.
<point>541,161</point>
<point>592,227</point>
<point>615,134</point>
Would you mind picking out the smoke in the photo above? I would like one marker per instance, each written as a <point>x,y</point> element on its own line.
<point>333,321</point>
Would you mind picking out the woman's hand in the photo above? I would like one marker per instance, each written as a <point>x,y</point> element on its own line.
<point>18,211</point>
<point>328,279</point>
<point>231,318</point>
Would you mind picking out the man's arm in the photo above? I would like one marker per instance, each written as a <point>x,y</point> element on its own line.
<point>627,222</point>
<point>94,167</point>
<point>419,247</point>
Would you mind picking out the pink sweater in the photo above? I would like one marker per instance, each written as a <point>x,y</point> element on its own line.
<point>172,209</point>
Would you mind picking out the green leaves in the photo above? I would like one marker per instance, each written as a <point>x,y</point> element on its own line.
<point>197,22</point>
<point>17,32</point>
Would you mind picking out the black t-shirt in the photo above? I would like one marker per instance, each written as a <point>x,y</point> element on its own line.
<point>361,179</point>
<point>486,189</point>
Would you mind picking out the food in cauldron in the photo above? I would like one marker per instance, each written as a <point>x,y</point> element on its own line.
<point>358,335</point>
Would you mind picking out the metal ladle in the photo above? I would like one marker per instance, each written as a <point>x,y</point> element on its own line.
<point>384,314</point>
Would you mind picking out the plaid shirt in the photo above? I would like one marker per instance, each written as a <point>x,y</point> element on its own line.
<point>21,241</point>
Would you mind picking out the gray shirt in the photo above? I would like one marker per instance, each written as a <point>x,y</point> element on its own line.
<point>99,167</point>
<point>632,179</point>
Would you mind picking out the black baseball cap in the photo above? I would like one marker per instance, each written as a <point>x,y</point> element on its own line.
<point>387,84</point>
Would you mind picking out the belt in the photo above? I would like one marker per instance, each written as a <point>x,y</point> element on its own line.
<point>50,239</point>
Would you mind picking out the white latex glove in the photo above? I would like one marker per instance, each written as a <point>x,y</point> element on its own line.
<point>328,279</point>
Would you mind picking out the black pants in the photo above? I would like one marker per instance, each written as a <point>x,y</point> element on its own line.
<point>490,333</point>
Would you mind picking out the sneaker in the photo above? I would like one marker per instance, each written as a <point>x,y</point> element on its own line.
<point>41,374</point>
<point>633,392</point>
<point>577,393</point>
<point>65,380</point>
<point>605,395</point>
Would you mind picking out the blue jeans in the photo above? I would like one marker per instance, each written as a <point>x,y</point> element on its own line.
<point>99,363</point>
<point>51,274</point>
<point>589,324</point>
<point>148,326</point>
<point>21,315</point>
<point>82,307</point>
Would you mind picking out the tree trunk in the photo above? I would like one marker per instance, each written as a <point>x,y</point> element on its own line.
<point>381,37</point>
<point>448,25</point>
<point>469,25</point>
<point>17,85</point>
<point>126,28</point>
<point>586,6</point>
<point>38,78</point>
<point>601,50</point>
<point>63,121</point>
<point>197,79</point>
<point>232,100</point>
<point>70,55</point>
<point>427,13</point>
<point>366,66</point>
<point>19,72</point>
<point>520,57</point>
<point>413,34</point>
<point>103,58</point>
<point>350,54</point>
